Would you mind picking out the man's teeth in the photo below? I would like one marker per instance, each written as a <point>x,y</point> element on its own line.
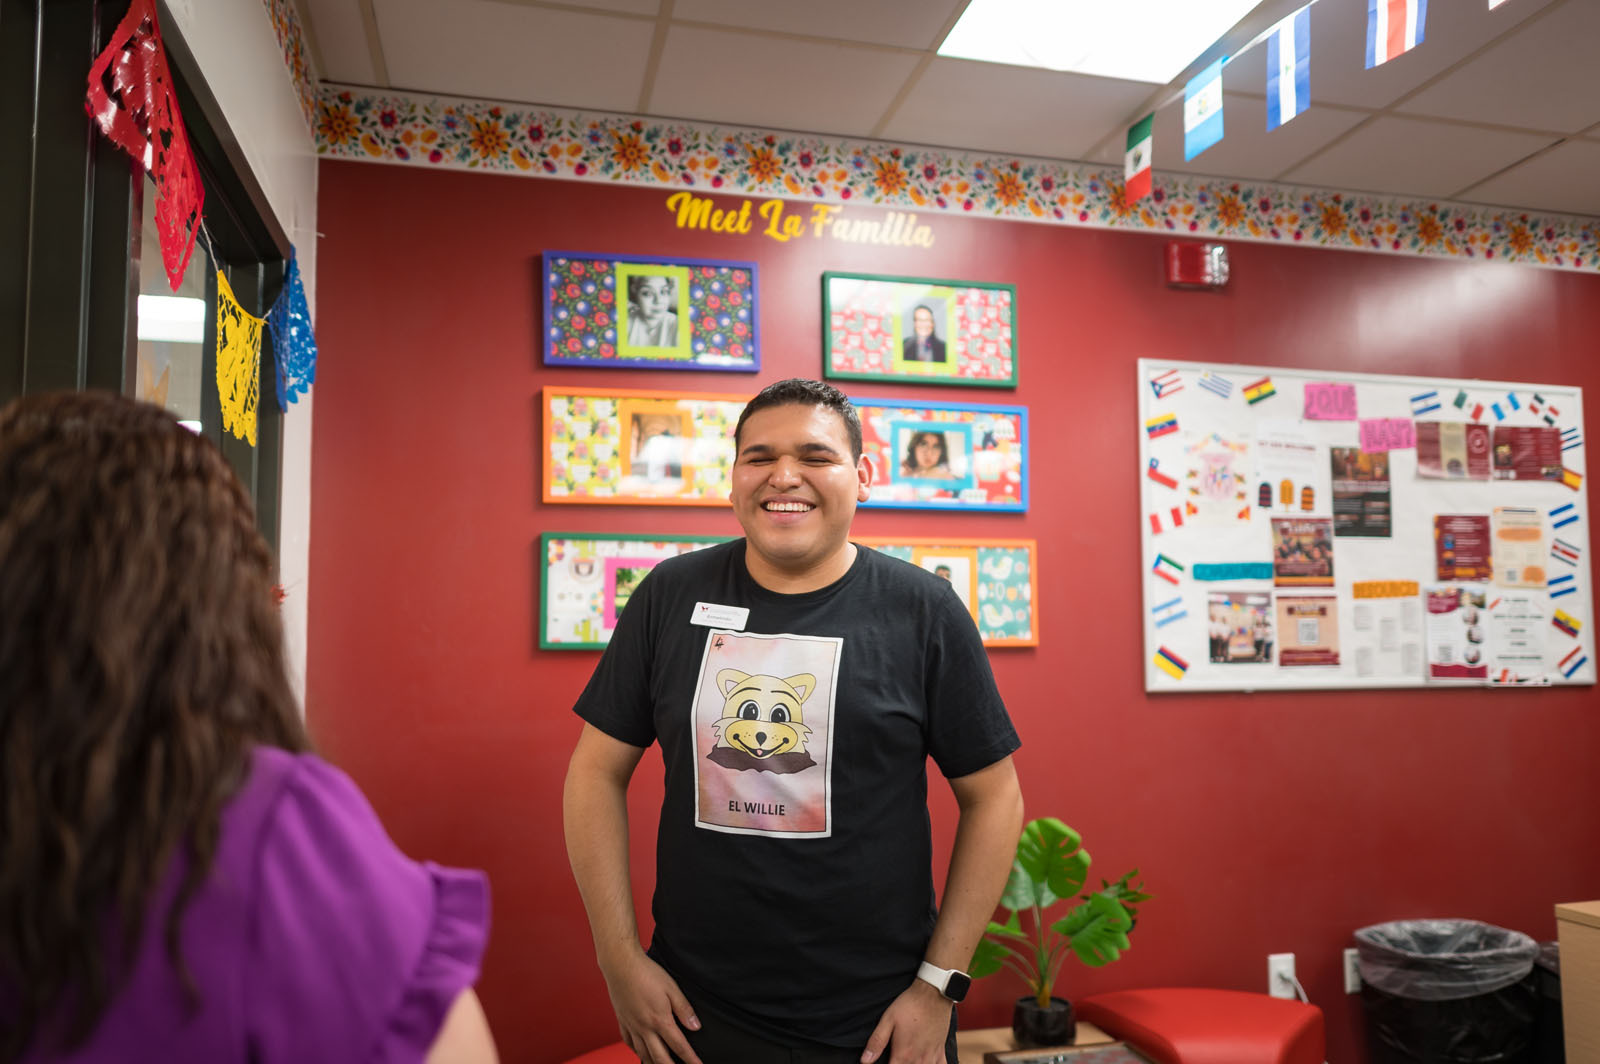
<point>789,507</point>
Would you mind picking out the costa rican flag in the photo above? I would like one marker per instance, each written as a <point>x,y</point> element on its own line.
<point>1568,670</point>
<point>1571,438</point>
<point>1426,403</point>
<point>1394,27</point>
<point>1289,68</point>
<point>1565,551</point>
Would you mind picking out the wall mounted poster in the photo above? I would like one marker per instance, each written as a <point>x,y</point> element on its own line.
<point>632,311</point>
<point>918,328</point>
<point>588,576</point>
<point>1293,521</point>
<point>996,579</point>
<point>637,447</point>
<point>945,456</point>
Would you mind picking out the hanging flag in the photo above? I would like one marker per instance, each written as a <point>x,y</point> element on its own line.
<point>1394,27</point>
<point>1166,612</point>
<point>1426,403</point>
<point>1202,110</point>
<point>1289,68</point>
<point>1477,412</point>
<point>1220,386</point>
<point>1261,389</point>
<point>1563,515</point>
<point>1166,384</point>
<point>1566,670</point>
<point>1572,478</point>
<point>1136,163</point>
<point>1174,666</point>
<point>1155,474</point>
<point>238,363</point>
<point>1167,569</point>
<point>1461,400</point>
<point>1161,425</point>
<point>294,345</point>
<point>131,99</point>
<point>1561,550</point>
<point>1563,585</point>
<point>1567,623</point>
<point>1571,438</point>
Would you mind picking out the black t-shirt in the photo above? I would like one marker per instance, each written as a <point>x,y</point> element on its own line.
<point>794,888</point>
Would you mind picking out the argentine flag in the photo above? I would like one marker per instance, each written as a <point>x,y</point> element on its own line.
<point>1202,110</point>
<point>1289,68</point>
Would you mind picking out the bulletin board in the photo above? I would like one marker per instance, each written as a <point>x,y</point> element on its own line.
<point>1308,529</point>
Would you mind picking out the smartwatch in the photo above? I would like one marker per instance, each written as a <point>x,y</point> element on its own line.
<point>953,984</point>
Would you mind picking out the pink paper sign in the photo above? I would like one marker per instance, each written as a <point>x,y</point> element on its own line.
<point>1330,402</point>
<point>1387,434</point>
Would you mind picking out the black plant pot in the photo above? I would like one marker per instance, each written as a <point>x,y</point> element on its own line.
<point>1033,1026</point>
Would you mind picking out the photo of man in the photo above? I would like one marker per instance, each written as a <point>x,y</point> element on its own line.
<point>922,343</point>
<point>656,446</point>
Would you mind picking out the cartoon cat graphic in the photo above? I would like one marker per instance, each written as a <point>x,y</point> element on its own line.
<point>761,726</point>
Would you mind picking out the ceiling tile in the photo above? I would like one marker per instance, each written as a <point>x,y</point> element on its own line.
<point>1453,32</point>
<point>1410,156</point>
<point>1017,110</point>
<point>1247,150</point>
<point>746,79</point>
<point>1561,179</point>
<point>1551,62</point>
<point>342,41</point>
<point>914,24</point>
<point>500,51</point>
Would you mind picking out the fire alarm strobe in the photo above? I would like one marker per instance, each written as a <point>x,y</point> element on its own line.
<point>1196,264</point>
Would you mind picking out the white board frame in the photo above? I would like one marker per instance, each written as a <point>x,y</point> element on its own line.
<point>1404,556</point>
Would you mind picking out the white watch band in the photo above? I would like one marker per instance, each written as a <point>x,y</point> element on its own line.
<point>937,976</point>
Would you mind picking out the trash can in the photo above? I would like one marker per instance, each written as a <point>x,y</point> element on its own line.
<point>1549,1036</point>
<point>1447,992</point>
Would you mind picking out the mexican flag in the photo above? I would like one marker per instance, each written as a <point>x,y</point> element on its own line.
<point>1136,163</point>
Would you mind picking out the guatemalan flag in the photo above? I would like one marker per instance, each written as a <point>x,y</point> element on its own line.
<point>1289,68</point>
<point>1393,27</point>
<point>1202,110</point>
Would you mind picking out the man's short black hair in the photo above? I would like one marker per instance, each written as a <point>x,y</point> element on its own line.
<point>797,391</point>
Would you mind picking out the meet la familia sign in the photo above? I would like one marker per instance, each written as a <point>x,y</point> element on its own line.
<point>782,221</point>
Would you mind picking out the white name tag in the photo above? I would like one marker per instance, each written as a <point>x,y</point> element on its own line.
<point>713,615</point>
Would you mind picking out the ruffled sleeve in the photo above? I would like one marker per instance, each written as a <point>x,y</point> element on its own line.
<point>358,951</point>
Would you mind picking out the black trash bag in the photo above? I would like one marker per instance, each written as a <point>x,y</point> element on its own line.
<point>1447,992</point>
<point>1549,1033</point>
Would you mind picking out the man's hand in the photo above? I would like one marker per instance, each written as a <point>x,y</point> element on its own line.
<point>649,1008</point>
<point>917,1023</point>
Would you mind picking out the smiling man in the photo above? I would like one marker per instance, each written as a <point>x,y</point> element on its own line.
<point>797,684</point>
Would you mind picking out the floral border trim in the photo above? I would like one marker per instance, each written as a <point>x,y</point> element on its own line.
<point>296,56</point>
<point>459,134</point>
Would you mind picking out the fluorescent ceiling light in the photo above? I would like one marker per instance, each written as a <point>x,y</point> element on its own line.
<point>176,319</point>
<point>1136,40</point>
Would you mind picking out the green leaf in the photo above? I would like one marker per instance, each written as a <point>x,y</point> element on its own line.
<point>1012,928</point>
<point>1098,929</point>
<point>1051,864</point>
<point>986,960</point>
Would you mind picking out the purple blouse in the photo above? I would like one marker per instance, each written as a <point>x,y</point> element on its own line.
<point>313,939</point>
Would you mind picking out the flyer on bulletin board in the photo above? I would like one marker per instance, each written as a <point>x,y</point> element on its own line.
<point>1361,504</point>
<point>1518,552</point>
<point>1461,547</point>
<point>1308,630</point>
<point>1452,450</point>
<point>1517,623</point>
<point>1302,551</point>
<point>1457,629</point>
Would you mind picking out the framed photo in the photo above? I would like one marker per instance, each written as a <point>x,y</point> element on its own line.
<point>587,577</point>
<point>631,311</point>
<point>638,447</point>
<point>996,579</point>
<point>945,456</point>
<point>917,328</point>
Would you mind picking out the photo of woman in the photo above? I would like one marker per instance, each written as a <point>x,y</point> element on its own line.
<point>927,455</point>
<point>652,311</point>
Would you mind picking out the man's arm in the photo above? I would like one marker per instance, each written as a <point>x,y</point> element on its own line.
<point>980,862</point>
<point>648,1003</point>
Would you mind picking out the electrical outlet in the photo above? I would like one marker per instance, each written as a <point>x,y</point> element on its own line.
<point>1280,975</point>
<point>1352,973</point>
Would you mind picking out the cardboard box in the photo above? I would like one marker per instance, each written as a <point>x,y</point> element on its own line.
<point>1578,927</point>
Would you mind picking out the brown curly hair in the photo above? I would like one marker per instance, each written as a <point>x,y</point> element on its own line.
<point>141,658</point>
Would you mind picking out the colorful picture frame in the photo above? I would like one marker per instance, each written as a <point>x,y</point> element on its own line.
<point>634,311</point>
<point>586,578</point>
<point>640,448</point>
<point>932,331</point>
<point>945,456</point>
<point>997,580</point>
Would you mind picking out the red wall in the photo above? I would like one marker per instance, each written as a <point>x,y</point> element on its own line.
<point>1264,823</point>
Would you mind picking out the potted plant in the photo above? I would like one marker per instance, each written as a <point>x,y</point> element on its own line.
<point>1051,866</point>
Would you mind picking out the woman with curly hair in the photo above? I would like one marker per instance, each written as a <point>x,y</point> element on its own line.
<point>180,879</point>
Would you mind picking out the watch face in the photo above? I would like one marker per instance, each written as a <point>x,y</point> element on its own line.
<point>956,988</point>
